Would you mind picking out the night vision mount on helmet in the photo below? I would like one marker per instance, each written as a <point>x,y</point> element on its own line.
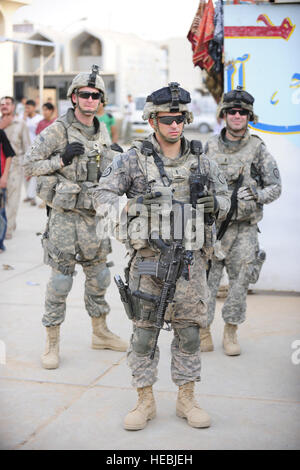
<point>92,79</point>
<point>170,99</point>
<point>237,98</point>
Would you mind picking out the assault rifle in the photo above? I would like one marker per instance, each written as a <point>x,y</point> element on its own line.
<point>233,205</point>
<point>198,181</point>
<point>174,261</point>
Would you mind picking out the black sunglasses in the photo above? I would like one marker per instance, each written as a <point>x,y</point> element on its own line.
<point>86,95</point>
<point>242,112</point>
<point>168,120</point>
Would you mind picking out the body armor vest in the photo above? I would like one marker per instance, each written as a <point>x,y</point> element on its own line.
<point>69,187</point>
<point>178,172</point>
<point>234,160</point>
<point>77,171</point>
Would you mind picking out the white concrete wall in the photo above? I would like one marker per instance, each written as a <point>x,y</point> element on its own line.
<point>142,69</point>
<point>180,64</point>
<point>280,227</point>
<point>7,10</point>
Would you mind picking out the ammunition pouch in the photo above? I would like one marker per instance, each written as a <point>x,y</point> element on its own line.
<point>254,268</point>
<point>57,259</point>
<point>81,170</point>
<point>84,200</point>
<point>45,188</point>
<point>66,195</point>
<point>245,209</point>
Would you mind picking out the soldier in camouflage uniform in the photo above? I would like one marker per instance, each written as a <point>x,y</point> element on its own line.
<point>252,173</point>
<point>68,158</point>
<point>159,167</point>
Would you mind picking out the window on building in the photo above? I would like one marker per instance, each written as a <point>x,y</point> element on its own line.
<point>91,46</point>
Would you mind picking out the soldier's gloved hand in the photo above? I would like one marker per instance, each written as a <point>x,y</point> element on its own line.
<point>161,197</point>
<point>156,197</point>
<point>71,150</point>
<point>210,203</point>
<point>116,148</point>
<point>248,193</point>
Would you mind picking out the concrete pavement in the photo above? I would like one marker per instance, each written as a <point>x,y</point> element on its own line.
<point>253,399</point>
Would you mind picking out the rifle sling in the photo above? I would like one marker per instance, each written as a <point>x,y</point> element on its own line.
<point>232,209</point>
<point>160,166</point>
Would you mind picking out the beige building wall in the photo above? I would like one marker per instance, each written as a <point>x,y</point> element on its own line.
<point>7,10</point>
<point>180,66</point>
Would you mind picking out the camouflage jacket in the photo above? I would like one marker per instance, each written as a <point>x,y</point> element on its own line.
<point>66,187</point>
<point>250,157</point>
<point>132,173</point>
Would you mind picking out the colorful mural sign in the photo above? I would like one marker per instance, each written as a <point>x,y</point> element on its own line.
<point>262,55</point>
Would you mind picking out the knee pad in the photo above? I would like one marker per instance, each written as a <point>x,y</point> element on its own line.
<point>62,284</point>
<point>103,277</point>
<point>189,339</point>
<point>143,340</point>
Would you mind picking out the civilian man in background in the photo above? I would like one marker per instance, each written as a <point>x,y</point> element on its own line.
<point>32,118</point>
<point>18,136</point>
<point>20,108</point>
<point>128,117</point>
<point>48,115</point>
<point>6,154</point>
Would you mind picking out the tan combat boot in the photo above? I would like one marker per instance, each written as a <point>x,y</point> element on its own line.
<point>103,338</point>
<point>230,342</point>
<point>50,358</point>
<point>144,410</point>
<point>187,407</point>
<point>206,343</point>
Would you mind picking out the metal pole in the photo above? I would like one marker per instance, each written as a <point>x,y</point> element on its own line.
<point>41,84</point>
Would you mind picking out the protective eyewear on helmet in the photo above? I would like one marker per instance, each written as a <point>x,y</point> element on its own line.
<point>87,94</point>
<point>168,120</point>
<point>238,95</point>
<point>242,112</point>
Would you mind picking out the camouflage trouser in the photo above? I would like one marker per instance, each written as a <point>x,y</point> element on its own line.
<point>14,186</point>
<point>239,245</point>
<point>185,315</point>
<point>72,240</point>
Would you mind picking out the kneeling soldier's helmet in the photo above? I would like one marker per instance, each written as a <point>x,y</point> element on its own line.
<point>170,99</point>
<point>237,98</point>
<point>92,79</point>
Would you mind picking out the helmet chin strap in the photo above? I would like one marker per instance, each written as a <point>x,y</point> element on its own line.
<point>85,112</point>
<point>236,133</point>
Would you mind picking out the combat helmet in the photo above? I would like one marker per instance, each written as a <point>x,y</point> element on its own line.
<point>170,99</point>
<point>92,79</point>
<point>237,98</point>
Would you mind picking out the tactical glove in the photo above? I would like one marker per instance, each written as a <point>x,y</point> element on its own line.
<point>158,198</point>
<point>116,148</point>
<point>210,203</point>
<point>75,148</point>
<point>163,195</point>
